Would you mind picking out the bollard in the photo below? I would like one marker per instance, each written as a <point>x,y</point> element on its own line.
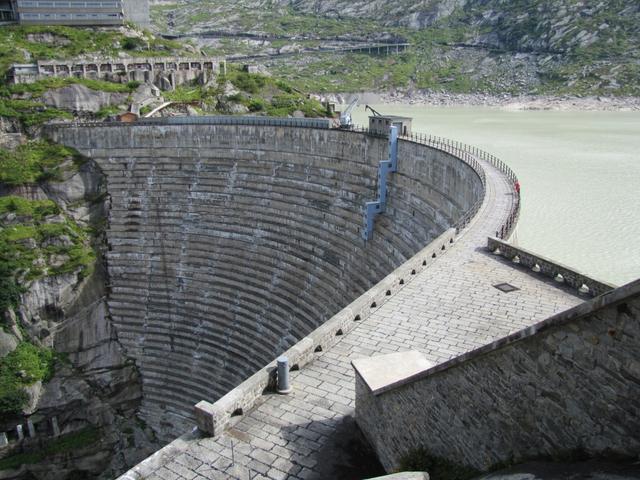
<point>283,375</point>
<point>20,433</point>
<point>3,440</point>
<point>55,427</point>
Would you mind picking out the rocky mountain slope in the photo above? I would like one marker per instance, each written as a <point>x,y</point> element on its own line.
<point>494,46</point>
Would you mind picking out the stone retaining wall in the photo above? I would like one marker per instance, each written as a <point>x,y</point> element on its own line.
<point>229,244</point>
<point>549,268</point>
<point>567,385</point>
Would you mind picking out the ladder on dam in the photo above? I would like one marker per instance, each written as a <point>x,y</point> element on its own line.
<point>386,167</point>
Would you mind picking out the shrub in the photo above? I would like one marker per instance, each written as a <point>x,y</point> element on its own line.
<point>9,290</point>
<point>12,399</point>
<point>24,366</point>
<point>132,43</point>
<point>249,82</point>
<point>133,85</point>
<point>256,105</point>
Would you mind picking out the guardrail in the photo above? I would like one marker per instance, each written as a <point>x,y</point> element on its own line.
<point>469,154</point>
<point>319,123</point>
<point>465,155</point>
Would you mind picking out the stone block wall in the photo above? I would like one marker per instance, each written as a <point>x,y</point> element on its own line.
<point>568,384</point>
<point>548,267</point>
<point>229,243</point>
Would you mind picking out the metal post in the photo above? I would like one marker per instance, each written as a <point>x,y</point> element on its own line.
<point>20,432</point>
<point>393,149</point>
<point>383,168</point>
<point>284,386</point>
<point>31,428</point>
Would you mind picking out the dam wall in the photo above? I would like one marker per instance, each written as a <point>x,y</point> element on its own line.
<point>229,243</point>
<point>566,387</point>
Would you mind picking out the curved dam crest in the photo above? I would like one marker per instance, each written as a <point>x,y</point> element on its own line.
<point>227,244</point>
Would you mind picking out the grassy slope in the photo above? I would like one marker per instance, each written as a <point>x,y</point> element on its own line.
<point>259,94</point>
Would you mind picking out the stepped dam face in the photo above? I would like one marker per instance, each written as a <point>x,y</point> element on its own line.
<point>229,243</point>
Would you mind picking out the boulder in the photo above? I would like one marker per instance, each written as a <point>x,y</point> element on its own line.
<point>8,343</point>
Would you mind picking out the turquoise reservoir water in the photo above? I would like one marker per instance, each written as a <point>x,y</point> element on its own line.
<point>580,177</point>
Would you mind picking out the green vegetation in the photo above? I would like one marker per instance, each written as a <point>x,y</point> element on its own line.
<point>9,289</point>
<point>38,88</point>
<point>187,93</point>
<point>419,460</point>
<point>60,42</point>
<point>31,248</point>
<point>107,111</point>
<point>36,161</point>
<point>33,113</point>
<point>34,210</point>
<point>246,16</point>
<point>24,366</point>
<point>260,94</point>
<point>30,113</point>
<point>67,443</point>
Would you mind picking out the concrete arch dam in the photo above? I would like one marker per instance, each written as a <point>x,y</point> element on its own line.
<point>228,243</point>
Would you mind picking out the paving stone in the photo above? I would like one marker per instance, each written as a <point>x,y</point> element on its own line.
<point>165,474</point>
<point>188,461</point>
<point>274,474</point>
<point>182,471</point>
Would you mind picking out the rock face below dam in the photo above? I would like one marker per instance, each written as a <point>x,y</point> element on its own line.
<point>228,243</point>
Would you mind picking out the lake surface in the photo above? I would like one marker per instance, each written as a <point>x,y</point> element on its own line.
<point>579,172</point>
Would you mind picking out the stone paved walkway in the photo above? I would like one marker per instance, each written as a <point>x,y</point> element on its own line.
<point>448,309</point>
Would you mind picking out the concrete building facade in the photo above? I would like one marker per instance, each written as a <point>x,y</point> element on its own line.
<point>7,13</point>
<point>81,12</point>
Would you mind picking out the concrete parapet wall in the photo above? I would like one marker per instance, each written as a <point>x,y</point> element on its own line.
<point>549,268</point>
<point>228,244</point>
<point>565,385</point>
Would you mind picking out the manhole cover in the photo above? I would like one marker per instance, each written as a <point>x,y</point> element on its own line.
<point>506,287</point>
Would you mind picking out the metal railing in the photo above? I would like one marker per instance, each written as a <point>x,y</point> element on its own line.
<point>469,154</point>
<point>317,123</point>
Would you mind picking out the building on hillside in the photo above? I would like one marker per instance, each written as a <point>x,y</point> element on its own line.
<point>80,12</point>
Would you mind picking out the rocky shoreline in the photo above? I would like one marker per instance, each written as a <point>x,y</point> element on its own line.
<point>505,102</point>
